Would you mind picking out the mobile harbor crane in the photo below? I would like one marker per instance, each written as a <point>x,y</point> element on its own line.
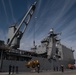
<point>14,33</point>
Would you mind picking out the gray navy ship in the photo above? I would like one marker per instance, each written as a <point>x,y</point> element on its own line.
<point>51,54</point>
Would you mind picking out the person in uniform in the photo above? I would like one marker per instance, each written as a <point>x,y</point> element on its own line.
<point>13,69</point>
<point>10,67</point>
<point>38,67</point>
<point>57,68</point>
<point>62,68</point>
<point>16,69</point>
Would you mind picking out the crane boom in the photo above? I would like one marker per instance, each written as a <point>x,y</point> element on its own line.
<point>26,19</point>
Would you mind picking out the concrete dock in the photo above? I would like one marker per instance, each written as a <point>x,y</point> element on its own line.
<point>67,72</point>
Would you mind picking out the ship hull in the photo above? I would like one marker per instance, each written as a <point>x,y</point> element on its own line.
<point>45,64</point>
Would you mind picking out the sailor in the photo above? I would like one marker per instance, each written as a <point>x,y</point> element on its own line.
<point>57,68</point>
<point>16,69</point>
<point>38,66</point>
<point>62,68</point>
<point>13,69</point>
<point>10,67</point>
<point>54,68</point>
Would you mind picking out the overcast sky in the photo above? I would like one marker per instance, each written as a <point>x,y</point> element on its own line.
<point>57,14</point>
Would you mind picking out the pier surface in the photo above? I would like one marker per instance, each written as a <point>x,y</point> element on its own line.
<point>67,72</point>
